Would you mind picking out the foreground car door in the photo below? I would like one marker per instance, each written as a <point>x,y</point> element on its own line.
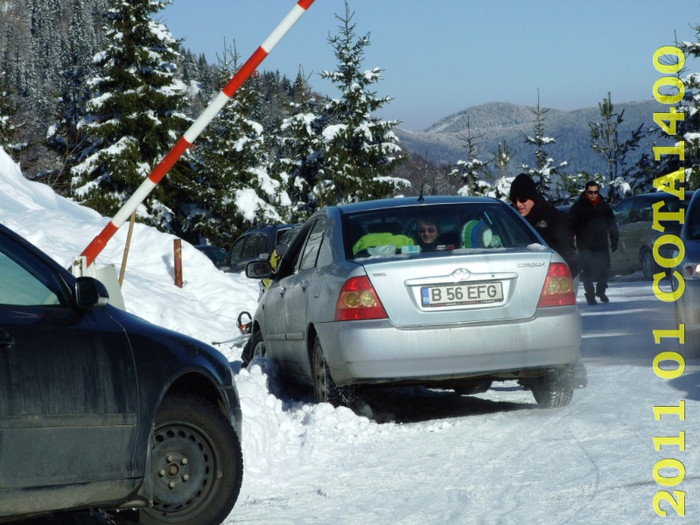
<point>302,287</point>
<point>68,391</point>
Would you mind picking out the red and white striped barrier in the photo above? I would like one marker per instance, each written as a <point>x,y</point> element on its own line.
<point>99,242</point>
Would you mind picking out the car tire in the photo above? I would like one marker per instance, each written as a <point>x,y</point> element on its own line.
<point>648,266</point>
<point>325,389</point>
<point>254,347</point>
<point>258,345</point>
<point>554,389</point>
<point>196,463</point>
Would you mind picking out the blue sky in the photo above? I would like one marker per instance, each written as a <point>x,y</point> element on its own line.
<point>444,56</point>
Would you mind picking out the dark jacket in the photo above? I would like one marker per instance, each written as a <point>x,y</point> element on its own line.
<point>551,224</point>
<point>592,226</point>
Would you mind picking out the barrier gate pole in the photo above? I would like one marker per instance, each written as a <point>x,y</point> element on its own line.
<point>99,242</point>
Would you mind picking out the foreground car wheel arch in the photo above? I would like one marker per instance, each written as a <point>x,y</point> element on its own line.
<point>196,463</point>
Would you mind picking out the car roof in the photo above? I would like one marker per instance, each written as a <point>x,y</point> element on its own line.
<point>398,202</point>
<point>656,196</point>
<point>267,227</point>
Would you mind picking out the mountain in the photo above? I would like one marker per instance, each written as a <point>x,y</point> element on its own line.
<point>443,142</point>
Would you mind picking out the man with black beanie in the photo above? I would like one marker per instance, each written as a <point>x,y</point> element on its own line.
<point>545,218</point>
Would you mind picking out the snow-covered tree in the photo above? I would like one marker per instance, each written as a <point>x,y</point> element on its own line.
<point>471,171</point>
<point>361,150</point>
<point>301,155</point>
<point>7,112</point>
<point>688,129</point>
<point>606,142</point>
<point>546,173</point>
<point>234,186</point>
<point>501,159</point>
<point>134,114</point>
<point>545,170</point>
<point>64,136</point>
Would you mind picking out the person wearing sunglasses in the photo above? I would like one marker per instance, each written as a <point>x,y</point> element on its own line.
<point>549,222</point>
<point>428,233</point>
<point>593,224</point>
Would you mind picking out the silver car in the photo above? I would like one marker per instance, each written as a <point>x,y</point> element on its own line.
<point>358,301</point>
<point>688,305</point>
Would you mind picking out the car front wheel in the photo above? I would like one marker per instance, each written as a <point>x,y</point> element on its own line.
<point>554,389</point>
<point>196,463</point>
<point>648,266</point>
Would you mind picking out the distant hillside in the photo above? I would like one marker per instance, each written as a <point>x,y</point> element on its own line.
<point>443,143</point>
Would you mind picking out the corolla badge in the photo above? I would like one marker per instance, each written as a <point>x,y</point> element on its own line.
<point>461,274</point>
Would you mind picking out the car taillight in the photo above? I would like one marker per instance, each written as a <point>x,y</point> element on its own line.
<point>558,289</point>
<point>358,300</point>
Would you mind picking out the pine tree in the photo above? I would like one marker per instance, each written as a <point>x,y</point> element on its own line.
<point>470,172</point>
<point>605,141</point>
<point>134,114</point>
<point>301,156</point>
<point>502,159</point>
<point>687,129</point>
<point>545,172</point>
<point>361,150</point>
<point>235,188</point>
<point>64,137</point>
<point>8,109</point>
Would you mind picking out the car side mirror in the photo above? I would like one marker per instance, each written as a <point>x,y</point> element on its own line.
<point>258,269</point>
<point>89,293</point>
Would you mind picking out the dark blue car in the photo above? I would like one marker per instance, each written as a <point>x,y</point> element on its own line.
<point>101,409</point>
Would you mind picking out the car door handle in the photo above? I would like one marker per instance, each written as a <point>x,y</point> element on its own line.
<point>6,340</point>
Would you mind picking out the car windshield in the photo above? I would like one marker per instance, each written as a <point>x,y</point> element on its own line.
<point>434,228</point>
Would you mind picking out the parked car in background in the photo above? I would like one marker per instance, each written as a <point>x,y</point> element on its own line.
<point>101,409</point>
<point>634,216</point>
<point>356,302</point>
<point>257,243</point>
<point>688,306</point>
<point>216,253</point>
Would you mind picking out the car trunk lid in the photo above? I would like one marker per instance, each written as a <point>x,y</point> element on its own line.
<point>465,286</point>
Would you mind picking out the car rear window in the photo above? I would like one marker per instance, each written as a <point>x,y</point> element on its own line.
<point>391,231</point>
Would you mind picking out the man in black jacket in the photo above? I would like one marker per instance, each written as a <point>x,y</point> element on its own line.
<point>545,218</point>
<point>593,224</point>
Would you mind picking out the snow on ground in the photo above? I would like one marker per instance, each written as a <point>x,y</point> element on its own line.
<point>424,456</point>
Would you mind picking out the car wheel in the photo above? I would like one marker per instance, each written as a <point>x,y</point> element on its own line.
<point>325,389</point>
<point>196,463</point>
<point>258,345</point>
<point>254,347</point>
<point>647,261</point>
<point>555,389</point>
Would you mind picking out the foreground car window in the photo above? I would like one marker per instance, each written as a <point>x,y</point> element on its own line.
<point>392,231</point>
<point>26,286</point>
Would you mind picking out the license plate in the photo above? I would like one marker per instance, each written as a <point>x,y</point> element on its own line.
<point>460,294</point>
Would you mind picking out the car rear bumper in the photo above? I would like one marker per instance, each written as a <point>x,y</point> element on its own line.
<point>377,352</point>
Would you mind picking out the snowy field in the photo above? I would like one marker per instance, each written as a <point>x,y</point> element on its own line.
<point>414,456</point>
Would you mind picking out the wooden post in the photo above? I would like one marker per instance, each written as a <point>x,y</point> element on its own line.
<point>177,245</point>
